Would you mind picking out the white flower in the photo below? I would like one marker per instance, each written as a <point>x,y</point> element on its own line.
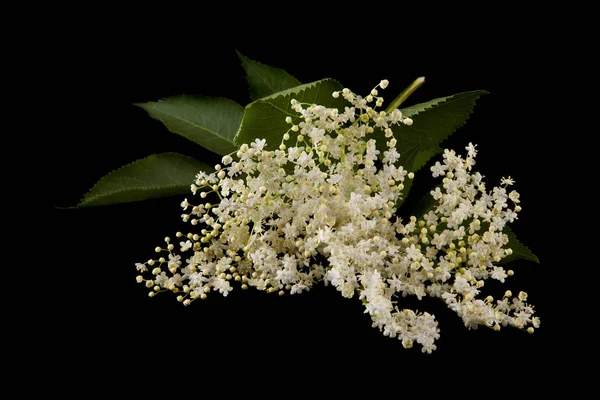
<point>185,204</point>
<point>298,288</point>
<point>413,253</point>
<point>258,144</point>
<point>499,274</point>
<point>174,261</point>
<point>185,246</point>
<point>322,208</point>
<point>141,267</point>
<point>472,152</point>
<point>438,169</point>
<point>507,181</point>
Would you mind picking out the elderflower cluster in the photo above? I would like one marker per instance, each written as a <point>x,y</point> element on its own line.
<point>321,207</point>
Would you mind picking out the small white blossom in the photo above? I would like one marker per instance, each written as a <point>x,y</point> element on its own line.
<point>141,267</point>
<point>507,181</point>
<point>438,169</point>
<point>185,246</point>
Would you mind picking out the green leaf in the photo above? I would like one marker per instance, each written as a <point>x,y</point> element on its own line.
<point>210,122</point>
<point>265,80</point>
<point>265,118</point>
<point>407,185</point>
<point>158,175</point>
<point>433,122</point>
<point>520,251</point>
<point>425,204</point>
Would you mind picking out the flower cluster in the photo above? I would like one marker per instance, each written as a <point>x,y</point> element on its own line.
<point>321,207</point>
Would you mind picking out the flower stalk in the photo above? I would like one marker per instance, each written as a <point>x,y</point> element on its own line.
<point>405,94</point>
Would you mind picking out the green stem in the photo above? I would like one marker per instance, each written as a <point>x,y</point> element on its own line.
<point>405,94</point>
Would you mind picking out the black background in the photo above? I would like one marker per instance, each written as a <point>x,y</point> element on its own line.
<point>105,326</point>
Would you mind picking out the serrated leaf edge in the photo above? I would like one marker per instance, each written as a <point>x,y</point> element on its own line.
<point>83,201</point>
<point>294,90</point>
<point>216,135</point>
<point>531,257</point>
<point>243,59</point>
<point>446,100</point>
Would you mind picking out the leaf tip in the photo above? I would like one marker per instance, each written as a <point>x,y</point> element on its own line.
<point>245,61</point>
<point>140,105</point>
<point>67,207</point>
